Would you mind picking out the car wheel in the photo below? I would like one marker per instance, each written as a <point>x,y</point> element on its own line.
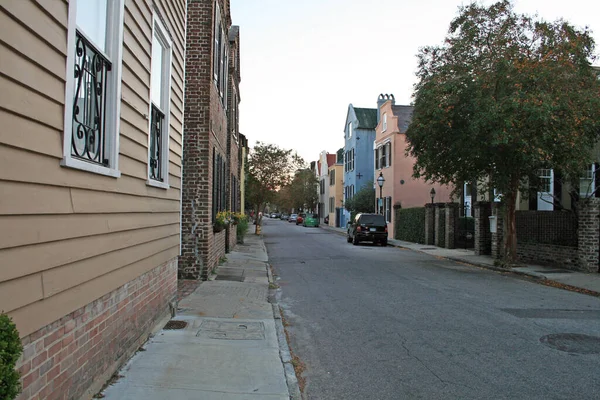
<point>348,239</point>
<point>384,242</point>
<point>355,241</point>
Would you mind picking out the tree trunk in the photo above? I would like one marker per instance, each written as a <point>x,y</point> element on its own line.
<point>510,239</point>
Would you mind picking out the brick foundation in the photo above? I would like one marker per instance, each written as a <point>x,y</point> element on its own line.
<point>73,357</point>
<point>548,254</point>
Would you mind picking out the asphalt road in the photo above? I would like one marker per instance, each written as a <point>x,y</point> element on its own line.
<point>384,323</point>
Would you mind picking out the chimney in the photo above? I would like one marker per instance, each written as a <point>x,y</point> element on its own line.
<point>381,101</point>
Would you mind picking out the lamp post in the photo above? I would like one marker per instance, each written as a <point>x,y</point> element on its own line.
<point>380,181</point>
<point>432,194</point>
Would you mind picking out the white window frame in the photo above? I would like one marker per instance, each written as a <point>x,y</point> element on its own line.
<point>384,125</point>
<point>161,33</point>
<point>590,175</point>
<point>114,52</point>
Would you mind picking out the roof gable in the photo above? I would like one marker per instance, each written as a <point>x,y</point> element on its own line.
<point>367,117</point>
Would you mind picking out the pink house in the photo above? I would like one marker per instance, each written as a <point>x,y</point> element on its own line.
<point>395,166</point>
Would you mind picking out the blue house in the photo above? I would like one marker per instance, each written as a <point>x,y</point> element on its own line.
<point>359,135</point>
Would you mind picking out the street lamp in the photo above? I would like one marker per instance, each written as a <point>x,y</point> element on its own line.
<point>380,181</point>
<point>432,194</point>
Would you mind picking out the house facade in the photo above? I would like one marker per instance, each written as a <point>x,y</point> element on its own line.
<point>211,141</point>
<point>91,146</point>
<point>326,160</point>
<point>336,193</point>
<point>359,134</point>
<point>391,162</point>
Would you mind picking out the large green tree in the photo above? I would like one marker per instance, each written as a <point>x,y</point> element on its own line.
<point>269,168</point>
<point>304,190</point>
<point>504,96</point>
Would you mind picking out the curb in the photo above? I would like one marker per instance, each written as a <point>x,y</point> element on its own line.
<point>284,347</point>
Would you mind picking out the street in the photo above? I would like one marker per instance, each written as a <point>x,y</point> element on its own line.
<point>373,322</point>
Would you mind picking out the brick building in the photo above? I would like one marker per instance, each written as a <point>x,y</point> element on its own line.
<point>211,150</point>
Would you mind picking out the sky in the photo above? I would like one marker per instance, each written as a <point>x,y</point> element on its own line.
<point>303,62</point>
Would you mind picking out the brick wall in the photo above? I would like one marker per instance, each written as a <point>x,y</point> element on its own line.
<point>560,256</point>
<point>483,237</point>
<point>589,234</point>
<point>205,132</point>
<point>73,357</point>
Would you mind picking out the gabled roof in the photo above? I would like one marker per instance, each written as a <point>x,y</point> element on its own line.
<point>367,117</point>
<point>404,114</point>
<point>331,159</point>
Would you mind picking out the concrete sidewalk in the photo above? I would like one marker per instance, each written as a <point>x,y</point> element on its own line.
<point>575,280</point>
<point>232,347</point>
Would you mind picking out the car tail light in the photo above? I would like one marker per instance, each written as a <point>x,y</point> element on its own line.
<point>386,229</point>
<point>358,229</point>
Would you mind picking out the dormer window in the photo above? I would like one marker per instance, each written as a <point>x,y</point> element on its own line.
<point>350,130</point>
<point>384,122</point>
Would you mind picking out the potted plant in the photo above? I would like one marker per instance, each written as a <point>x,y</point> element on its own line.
<point>222,220</point>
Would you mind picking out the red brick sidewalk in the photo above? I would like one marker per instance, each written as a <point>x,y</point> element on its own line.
<point>185,287</point>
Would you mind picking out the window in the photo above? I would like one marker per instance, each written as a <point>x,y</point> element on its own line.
<point>382,157</point>
<point>587,182</point>
<point>545,176</point>
<point>389,154</point>
<point>331,204</point>
<point>349,130</point>
<point>388,208</point>
<point>352,160</point>
<point>160,99</point>
<point>220,57</point>
<point>332,177</point>
<point>376,156</point>
<point>322,186</point>
<point>219,184</point>
<point>384,128</point>
<point>93,87</point>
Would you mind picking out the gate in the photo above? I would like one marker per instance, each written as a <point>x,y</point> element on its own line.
<point>466,231</point>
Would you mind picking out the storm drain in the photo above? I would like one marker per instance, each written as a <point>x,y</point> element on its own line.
<point>172,325</point>
<point>572,343</point>
<point>231,330</point>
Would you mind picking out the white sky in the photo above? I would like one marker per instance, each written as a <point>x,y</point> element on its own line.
<point>303,62</point>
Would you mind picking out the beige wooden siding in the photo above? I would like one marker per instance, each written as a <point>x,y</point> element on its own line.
<point>68,237</point>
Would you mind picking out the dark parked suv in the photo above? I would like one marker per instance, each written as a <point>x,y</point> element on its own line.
<point>368,228</point>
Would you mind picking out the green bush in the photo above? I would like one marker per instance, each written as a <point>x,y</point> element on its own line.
<point>410,224</point>
<point>242,228</point>
<point>10,351</point>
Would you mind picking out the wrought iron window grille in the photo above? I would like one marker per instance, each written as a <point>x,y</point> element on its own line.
<point>156,125</point>
<point>88,139</point>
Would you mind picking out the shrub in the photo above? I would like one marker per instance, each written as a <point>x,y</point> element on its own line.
<point>10,351</point>
<point>410,224</point>
<point>241,227</point>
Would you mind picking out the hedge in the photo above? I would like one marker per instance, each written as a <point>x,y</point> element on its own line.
<point>10,351</point>
<point>410,224</point>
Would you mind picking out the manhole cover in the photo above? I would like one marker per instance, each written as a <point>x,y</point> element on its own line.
<point>573,343</point>
<point>231,330</point>
<point>175,325</point>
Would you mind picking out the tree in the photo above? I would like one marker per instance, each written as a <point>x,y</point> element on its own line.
<point>269,169</point>
<point>304,190</point>
<point>362,201</point>
<point>503,97</point>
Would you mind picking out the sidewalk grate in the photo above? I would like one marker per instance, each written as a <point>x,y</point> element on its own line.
<point>173,324</point>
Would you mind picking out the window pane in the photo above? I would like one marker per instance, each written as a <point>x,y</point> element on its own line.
<point>157,72</point>
<point>91,19</point>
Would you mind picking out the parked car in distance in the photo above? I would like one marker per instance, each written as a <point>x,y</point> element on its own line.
<point>285,217</point>
<point>293,218</point>
<point>368,228</point>
<point>311,220</point>
<point>300,218</point>
<point>273,215</point>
